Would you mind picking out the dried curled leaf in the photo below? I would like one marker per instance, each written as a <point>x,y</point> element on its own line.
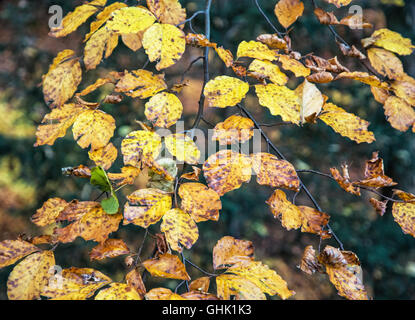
<point>201,202</point>
<point>146,207</point>
<point>374,175</point>
<point>130,20</point>
<point>288,11</point>
<point>110,248</point>
<point>75,284</point>
<point>229,251</point>
<point>363,77</point>
<point>346,124</point>
<point>227,170</point>
<point>163,109</point>
<point>339,3</point>
<point>91,222</point>
<point>256,50</point>
<point>344,180</point>
<point>293,65</point>
<point>74,19</point>
<point>62,79</point>
<point>49,212</point>
<point>140,145</point>
<point>164,42</point>
<point>168,11</point>
<point>224,91</point>
<point>29,276</point>
<point>167,266</point>
<point>93,128</point>
<point>272,41</point>
<point>390,40</point>
<point>280,100</point>
<point>379,206</point>
<point>105,156</point>
<point>309,263</point>
<point>233,129</point>
<point>118,291</point>
<point>13,250</point>
<point>314,221</point>
<point>267,69</point>
<point>141,84</point>
<point>179,229</point>
<point>274,172</point>
<point>55,123</point>
<point>127,176</point>
<point>194,175</point>
<point>290,215</point>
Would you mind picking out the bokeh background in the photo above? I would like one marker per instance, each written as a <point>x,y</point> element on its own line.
<point>29,176</point>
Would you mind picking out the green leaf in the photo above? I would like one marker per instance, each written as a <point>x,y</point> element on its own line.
<point>110,205</point>
<point>100,179</point>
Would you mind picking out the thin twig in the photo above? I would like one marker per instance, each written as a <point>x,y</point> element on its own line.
<point>201,270</point>
<point>280,34</point>
<point>191,18</point>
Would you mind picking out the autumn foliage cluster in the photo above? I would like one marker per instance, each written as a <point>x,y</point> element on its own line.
<point>181,199</point>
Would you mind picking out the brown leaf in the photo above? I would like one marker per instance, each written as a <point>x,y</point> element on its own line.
<point>200,284</point>
<point>133,278</point>
<point>374,174</point>
<point>229,251</point>
<point>309,263</point>
<point>194,175</point>
<point>314,221</point>
<point>380,206</point>
<point>272,41</point>
<point>110,248</point>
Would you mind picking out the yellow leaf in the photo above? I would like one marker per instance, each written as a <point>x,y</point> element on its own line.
<point>164,42</point>
<point>346,124</point>
<point>256,50</point>
<point>231,285</point>
<point>404,215</point>
<point>146,207</point>
<point>274,172</point>
<point>267,69</point>
<point>380,95</point>
<point>140,145</point>
<point>90,223</point>
<point>288,11</point>
<point>363,77</point>
<point>102,41</point>
<point>225,55</point>
<point>339,3</point>
<point>49,212</point>
<point>272,41</point>
<point>141,83</point>
<point>103,17</point>
<point>127,175</point>
<point>75,284</point>
<point>163,109</point>
<point>400,114</point>
<point>201,202</point>
<point>168,11</point>
<point>166,266</point>
<point>179,229</point>
<point>105,156</point>
<point>110,248</point>
<point>13,250</point>
<point>289,214</point>
<point>293,65</point>
<point>233,129</point>
<point>133,278</point>
<point>55,124</point>
<point>391,41</point>
<point>227,170</point>
<point>28,277</point>
<point>183,148</point>
<point>162,294</point>
<point>311,100</point>
<point>93,127</point>
<point>62,79</point>
<point>347,283</point>
<point>118,291</point>
<point>130,20</point>
<point>405,88</point>
<point>97,84</point>
<point>224,91</point>
<point>263,277</point>
<point>385,62</point>
<point>280,100</point>
<point>229,251</point>
<point>74,19</point>
<point>133,40</point>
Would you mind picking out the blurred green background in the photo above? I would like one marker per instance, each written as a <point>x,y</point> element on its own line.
<point>29,176</point>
